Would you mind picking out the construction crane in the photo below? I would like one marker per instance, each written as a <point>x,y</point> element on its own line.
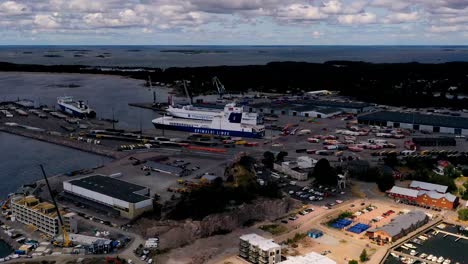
<point>217,83</point>
<point>186,92</point>
<point>66,239</point>
<point>150,85</point>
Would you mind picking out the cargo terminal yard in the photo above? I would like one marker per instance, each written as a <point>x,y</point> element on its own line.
<point>156,167</point>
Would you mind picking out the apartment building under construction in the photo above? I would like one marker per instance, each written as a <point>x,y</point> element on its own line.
<point>41,215</point>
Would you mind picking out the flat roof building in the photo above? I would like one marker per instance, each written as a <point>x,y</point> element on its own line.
<point>417,121</point>
<point>42,215</point>
<point>129,199</point>
<point>310,258</point>
<point>310,107</point>
<point>169,169</point>
<point>257,249</point>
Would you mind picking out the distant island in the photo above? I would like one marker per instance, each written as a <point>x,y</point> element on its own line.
<point>52,56</point>
<point>399,84</point>
<point>191,52</point>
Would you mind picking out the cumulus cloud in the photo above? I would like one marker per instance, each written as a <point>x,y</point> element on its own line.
<point>153,16</point>
<point>13,8</point>
<point>46,21</point>
<point>362,18</point>
<point>301,12</point>
<point>400,17</point>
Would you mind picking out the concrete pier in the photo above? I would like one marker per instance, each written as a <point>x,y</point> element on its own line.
<point>62,141</point>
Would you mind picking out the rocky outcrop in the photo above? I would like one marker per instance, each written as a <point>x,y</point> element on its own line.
<point>176,234</point>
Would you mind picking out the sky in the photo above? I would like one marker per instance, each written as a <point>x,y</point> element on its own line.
<point>234,22</point>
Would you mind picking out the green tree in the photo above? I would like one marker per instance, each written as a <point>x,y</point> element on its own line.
<point>324,173</point>
<point>281,155</point>
<point>385,182</point>
<point>451,172</point>
<point>352,261</point>
<point>268,159</point>
<point>463,214</point>
<point>391,160</point>
<point>364,257</point>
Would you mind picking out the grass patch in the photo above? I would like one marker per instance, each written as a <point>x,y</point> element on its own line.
<point>274,229</point>
<point>297,237</point>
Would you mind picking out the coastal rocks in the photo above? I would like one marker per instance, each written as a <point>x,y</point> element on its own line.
<point>176,234</point>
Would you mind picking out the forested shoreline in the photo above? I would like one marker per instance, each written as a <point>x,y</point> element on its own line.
<point>399,84</point>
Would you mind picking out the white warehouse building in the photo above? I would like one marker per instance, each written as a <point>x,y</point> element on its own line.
<point>129,199</point>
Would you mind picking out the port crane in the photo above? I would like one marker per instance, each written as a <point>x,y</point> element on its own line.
<point>66,239</point>
<point>217,83</point>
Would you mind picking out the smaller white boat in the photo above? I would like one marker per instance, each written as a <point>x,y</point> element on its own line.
<point>409,245</point>
<point>413,252</point>
<point>403,247</point>
<point>394,254</point>
<point>447,261</point>
<point>440,259</point>
<point>423,255</point>
<point>423,238</point>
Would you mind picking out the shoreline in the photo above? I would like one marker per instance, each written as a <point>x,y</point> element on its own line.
<point>93,149</point>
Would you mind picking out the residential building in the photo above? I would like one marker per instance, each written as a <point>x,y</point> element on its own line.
<point>416,121</point>
<point>129,199</point>
<point>257,249</point>
<point>42,215</point>
<point>310,258</point>
<point>298,169</point>
<point>398,227</point>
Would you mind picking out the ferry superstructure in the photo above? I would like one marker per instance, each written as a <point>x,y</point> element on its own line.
<point>200,113</point>
<point>75,108</point>
<point>230,122</point>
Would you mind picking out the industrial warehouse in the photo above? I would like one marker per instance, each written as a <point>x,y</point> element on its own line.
<point>129,199</point>
<point>425,194</point>
<point>311,108</point>
<point>399,227</point>
<point>416,121</point>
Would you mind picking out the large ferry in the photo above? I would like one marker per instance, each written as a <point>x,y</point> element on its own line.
<point>230,122</point>
<point>75,108</point>
<point>200,113</point>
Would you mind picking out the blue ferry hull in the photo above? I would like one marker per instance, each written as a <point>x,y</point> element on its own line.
<point>210,131</point>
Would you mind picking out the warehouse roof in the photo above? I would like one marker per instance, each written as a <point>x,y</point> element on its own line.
<point>417,118</point>
<point>338,104</point>
<point>403,222</point>
<point>428,186</point>
<point>311,103</point>
<point>310,258</point>
<point>404,191</point>
<point>324,110</point>
<point>112,187</point>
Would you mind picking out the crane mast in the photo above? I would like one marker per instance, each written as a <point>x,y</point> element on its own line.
<point>66,239</point>
<point>217,83</point>
<point>187,93</point>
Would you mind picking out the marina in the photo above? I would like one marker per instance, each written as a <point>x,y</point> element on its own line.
<point>436,246</point>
